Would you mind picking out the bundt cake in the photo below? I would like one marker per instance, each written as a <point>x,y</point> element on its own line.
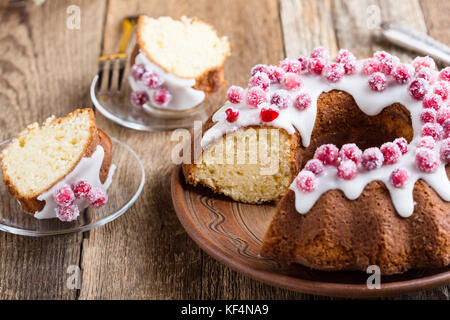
<point>346,208</point>
<point>176,63</point>
<point>59,168</point>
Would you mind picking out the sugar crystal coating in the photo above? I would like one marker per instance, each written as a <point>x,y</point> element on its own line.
<point>372,158</point>
<point>399,177</point>
<point>315,166</point>
<point>427,160</point>
<point>306,181</point>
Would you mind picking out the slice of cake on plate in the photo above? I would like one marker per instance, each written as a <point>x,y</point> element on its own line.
<point>176,63</point>
<point>60,168</point>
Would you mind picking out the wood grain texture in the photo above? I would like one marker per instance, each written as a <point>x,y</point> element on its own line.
<point>43,72</point>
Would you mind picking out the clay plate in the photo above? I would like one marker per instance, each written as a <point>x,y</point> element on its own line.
<point>232,233</point>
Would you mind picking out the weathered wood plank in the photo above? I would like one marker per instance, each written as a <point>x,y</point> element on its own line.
<point>43,68</point>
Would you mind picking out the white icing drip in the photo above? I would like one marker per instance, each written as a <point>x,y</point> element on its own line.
<point>183,95</point>
<point>87,169</point>
<point>370,102</point>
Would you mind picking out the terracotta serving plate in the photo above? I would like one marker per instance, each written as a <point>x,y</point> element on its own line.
<point>232,233</point>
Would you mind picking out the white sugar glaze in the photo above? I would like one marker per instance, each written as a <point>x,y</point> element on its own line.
<point>87,169</point>
<point>370,102</point>
<point>183,95</point>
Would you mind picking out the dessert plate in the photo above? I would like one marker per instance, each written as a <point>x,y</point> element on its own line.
<point>117,107</point>
<point>122,193</point>
<point>233,232</point>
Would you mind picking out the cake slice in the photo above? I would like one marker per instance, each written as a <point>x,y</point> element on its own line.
<point>176,63</point>
<point>59,168</point>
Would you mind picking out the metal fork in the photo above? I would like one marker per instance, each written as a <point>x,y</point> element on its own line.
<point>107,63</point>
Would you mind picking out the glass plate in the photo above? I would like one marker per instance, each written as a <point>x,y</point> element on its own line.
<point>116,106</point>
<point>122,193</point>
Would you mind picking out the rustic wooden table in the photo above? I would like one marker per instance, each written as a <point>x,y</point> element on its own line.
<point>46,68</point>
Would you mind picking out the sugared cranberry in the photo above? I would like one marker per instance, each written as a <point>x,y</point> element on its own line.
<point>333,72</point>
<point>280,98</point>
<point>320,52</point>
<point>432,100</point>
<point>443,115</point>
<point>388,64</point>
<point>399,177</point>
<point>291,65</point>
<point>446,127</point>
<point>81,189</point>
<point>162,97</point>
<point>372,159</point>
<point>138,98</point>
<point>315,166</point>
<point>347,170</point>
<point>377,81</point>
<point>291,81</point>
<point>316,65</point>
<point>278,74</point>
<point>306,181</point>
<point>67,213</point>
<point>426,74</point>
<point>402,144</point>
<point>432,130</point>
<point>256,96</point>
<point>442,89</point>
<point>260,68</point>
<point>348,60</point>
<point>423,62</point>
<point>64,196</point>
<point>402,73</point>
<point>444,75</point>
<point>391,153</point>
<point>303,101</point>
<point>151,80</point>
<point>232,114</point>
<point>269,113</point>
<point>261,80</point>
<point>97,197</point>
<point>445,150</point>
<point>381,55</point>
<point>428,116</point>
<point>351,152</point>
<point>427,160</point>
<point>328,154</point>
<point>418,88</point>
<point>371,66</point>
<point>137,71</point>
<point>426,142</point>
<point>235,94</point>
<point>303,62</point>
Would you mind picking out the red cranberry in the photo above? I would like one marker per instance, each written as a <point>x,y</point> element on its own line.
<point>399,177</point>
<point>306,181</point>
<point>381,55</point>
<point>418,88</point>
<point>423,62</point>
<point>371,66</point>
<point>443,115</point>
<point>137,71</point>
<point>402,144</point>
<point>446,127</point>
<point>232,114</point>
<point>328,154</point>
<point>316,65</point>
<point>348,60</point>
<point>138,98</point>
<point>347,170</point>
<point>303,101</point>
<point>260,68</point>
<point>333,72</point>
<point>445,150</point>
<point>377,81</point>
<point>432,101</point>
<point>269,113</point>
<point>428,116</point>
<point>235,94</point>
<point>81,189</point>
<point>444,75</point>
<point>320,52</point>
<point>278,74</point>
<point>67,213</point>
<point>351,152</point>
<point>372,158</point>
<point>64,196</point>
<point>280,98</point>
<point>259,80</point>
<point>291,81</point>
<point>427,160</point>
<point>162,97</point>
<point>391,153</point>
<point>151,80</point>
<point>426,142</point>
<point>303,62</point>
<point>97,197</point>
<point>388,64</point>
<point>256,96</point>
<point>442,88</point>
<point>426,74</point>
<point>315,166</point>
<point>402,73</point>
<point>291,65</point>
<point>433,130</point>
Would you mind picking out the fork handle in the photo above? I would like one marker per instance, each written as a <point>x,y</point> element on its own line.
<point>127,27</point>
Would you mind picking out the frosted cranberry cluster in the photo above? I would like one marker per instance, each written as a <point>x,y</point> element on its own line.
<point>64,197</point>
<point>160,96</point>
